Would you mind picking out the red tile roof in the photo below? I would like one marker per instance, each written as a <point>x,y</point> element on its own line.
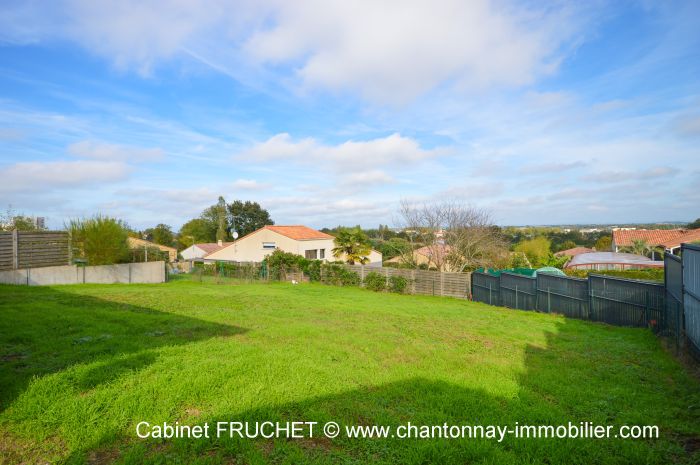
<point>653,237</point>
<point>211,247</point>
<point>691,235</point>
<point>438,249</point>
<point>573,252</point>
<point>299,232</point>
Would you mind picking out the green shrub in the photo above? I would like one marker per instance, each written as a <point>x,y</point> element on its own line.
<point>100,240</point>
<point>336,274</point>
<point>398,284</point>
<point>313,270</point>
<point>375,282</point>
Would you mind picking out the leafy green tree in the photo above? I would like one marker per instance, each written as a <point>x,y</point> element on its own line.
<point>566,245</point>
<point>11,221</point>
<point>100,240</point>
<point>162,234</point>
<point>639,247</point>
<point>352,244</point>
<point>196,231</point>
<point>537,250</point>
<point>603,244</point>
<point>519,260</point>
<point>247,217</point>
<point>221,230</point>
<point>694,225</point>
<point>394,247</point>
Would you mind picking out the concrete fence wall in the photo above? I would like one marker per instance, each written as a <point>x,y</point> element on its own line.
<point>151,272</point>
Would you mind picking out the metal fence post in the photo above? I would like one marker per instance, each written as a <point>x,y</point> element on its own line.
<point>15,249</point>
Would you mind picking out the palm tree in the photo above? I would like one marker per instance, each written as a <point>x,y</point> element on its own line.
<point>639,247</point>
<point>353,245</point>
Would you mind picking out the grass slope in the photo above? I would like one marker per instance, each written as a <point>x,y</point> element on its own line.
<point>81,365</point>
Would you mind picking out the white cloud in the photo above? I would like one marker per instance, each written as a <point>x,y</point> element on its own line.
<point>113,152</point>
<point>370,177</point>
<point>395,51</point>
<point>391,51</point>
<point>45,176</point>
<point>248,185</point>
<point>394,150</point>
<point>649,174</point>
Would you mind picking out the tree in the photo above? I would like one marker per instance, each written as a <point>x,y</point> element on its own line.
<point>566,245</point>
<point>458,236</point>
<point>353,245</point>
<point>603,244</point>
<point>196,231</point>
<point>537,250</point>
<point>639,247</point>
<point>162,234</point>
<point>11,220</point>
<point>221,230</point>
<point>100,240</point>
<point>394,247</point>
<point>694,225</point>
<point>248,216</point>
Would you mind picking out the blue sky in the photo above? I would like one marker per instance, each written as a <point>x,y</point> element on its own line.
<point>331,112</point>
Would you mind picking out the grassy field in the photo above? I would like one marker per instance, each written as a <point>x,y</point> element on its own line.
<point>80,366</point>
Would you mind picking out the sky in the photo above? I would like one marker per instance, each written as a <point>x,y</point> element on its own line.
<point>328,112</point>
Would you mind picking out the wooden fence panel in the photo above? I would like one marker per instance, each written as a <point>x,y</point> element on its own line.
<point>422,282</point>
<point>33,249</point>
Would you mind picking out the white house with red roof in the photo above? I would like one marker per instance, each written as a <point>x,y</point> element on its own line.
<point>668,239</point>
<point>298,239</point>
<point>199,251</point>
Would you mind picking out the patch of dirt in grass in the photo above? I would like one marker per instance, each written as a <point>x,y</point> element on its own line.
<point>691,444</point>
<point>15,450</point>
<point>13,357</point>
<point>103,456</point>
<point>316,443</point>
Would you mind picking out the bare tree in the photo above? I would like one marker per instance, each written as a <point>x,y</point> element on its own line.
<point>456,236</point>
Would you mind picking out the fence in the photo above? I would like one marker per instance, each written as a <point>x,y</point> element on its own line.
<point>150,272</point>
<point>32,249</point>
<point>234,272</point>
<point>691,295</point>
<point>671,308</point>
<point>422,282</point>
<point>617,301</point>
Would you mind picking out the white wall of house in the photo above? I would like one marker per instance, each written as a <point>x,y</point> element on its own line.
<point>258,245</point>
<point>192,252</point>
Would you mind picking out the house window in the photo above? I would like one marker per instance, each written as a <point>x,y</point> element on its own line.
<point>311,254</point>
<point>322,254</point>
<point>269,245</point>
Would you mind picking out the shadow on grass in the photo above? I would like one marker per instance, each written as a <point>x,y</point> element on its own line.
<point>569,379</point>
<point>44,330</point>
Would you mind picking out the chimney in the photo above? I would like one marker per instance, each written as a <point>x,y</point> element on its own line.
<point>220,242</point>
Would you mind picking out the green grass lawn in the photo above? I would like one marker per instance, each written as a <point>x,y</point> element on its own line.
<point>80,366</point>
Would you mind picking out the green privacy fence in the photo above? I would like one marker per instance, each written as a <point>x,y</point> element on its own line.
<point>617,301</point>
<point>691,295</point>
<point>671,309</point>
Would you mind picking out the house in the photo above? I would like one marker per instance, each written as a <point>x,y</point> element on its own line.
<point>668,239</point>
<point>573,252</point>
<point>298,239</point>
<point>674,245</point>
<point>612,261</point>
<point>199,251</point>
<point>432,256</point>
<point>136,243</point>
